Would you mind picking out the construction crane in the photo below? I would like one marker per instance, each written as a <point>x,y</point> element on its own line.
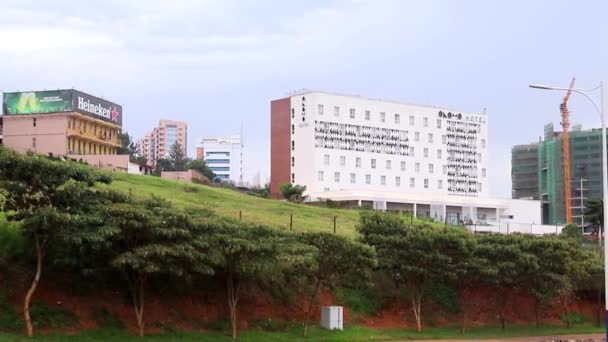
<point>563,108</point>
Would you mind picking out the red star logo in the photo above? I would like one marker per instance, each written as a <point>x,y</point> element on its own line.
<point>114,114</point>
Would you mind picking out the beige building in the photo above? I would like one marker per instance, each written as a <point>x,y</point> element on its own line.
<point>61,122</point>
<point>157,143</point>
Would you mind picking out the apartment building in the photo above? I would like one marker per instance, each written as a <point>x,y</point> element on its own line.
<point>224,156</point>
<point>390,155</point>
<point>157,143</point>
<point>542,176</point>
<point>61,123</point>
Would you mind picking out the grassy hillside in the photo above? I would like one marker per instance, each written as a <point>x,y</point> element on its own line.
<point>228,202</point>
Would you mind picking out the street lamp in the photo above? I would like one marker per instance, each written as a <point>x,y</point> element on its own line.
<point>601,112</point>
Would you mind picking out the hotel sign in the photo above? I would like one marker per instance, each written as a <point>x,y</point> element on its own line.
<point>61,101</point>
<point>462,117</point>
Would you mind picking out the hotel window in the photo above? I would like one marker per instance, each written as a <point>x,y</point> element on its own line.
<point>444,139</point>
<point>358,162</point>
<point>430,138</point>
<point>425,122</point>
<point>397,118</point>
<point>483,143</point>
<point>416,136</point>
<point>367,115</point>
<point>483,172</point>
<point>34,142</point>
<point>293,129</point>
<point>397,181</point>
<point>326,159</point>
<point>402,166</point>
<point>368,179</point>
<point>412,182</point>
<point>293,177</point>
<point>426,152</point>
<point>411,151</point>
<point>439,184</point>
<point>34,122</point>
<point>445,169</point>
<point>438,154</point>
<point>293,113</point>
<point>479,187</point>
<point>411,120</point>
<point>351,113</point>
<point>320,108</point>
<point>336,111</point>
<point>417,167</point>
<point>438,123</point>
<point>426,183</point>
<point>293,145</point>
<point>320,176</point>
<point>342,161</point>
<point>431,168</point>
<point>293,161</point>
<point>382,116</point>
<point>337,177</point>
<point>388,164</point>
<point>382,180</point>
<point>352,178</point>
<point>373,163</point>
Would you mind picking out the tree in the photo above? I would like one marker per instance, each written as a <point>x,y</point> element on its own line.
<point>509,266</point>
<point>410,255</point>
<point>47,196</point>
<point>163,165</point>
<point>572,231</point>
<point>201,166</point>
<point>176,157</point>
<point>337,257</point>
<point>595,214</point>
<point>292,192</point>
<point>245,252</point>
<point>127,145</point>
<point>153,238</point>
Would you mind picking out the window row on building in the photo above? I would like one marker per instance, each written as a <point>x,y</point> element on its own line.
<point>380,116</point>
<point>382,179</point>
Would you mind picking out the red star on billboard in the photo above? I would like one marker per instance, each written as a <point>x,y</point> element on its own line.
<point>114,114</point>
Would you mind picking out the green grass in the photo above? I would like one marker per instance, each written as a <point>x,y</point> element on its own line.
<point>227,202</point>
<point>354,334</point>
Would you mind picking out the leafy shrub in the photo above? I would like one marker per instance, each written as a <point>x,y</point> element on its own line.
<point>218,325</point>
<point>574,318</point>
<point>166,326</point>
<point>359,301</point>
<point>9,321</point>
<point>191,189</point>
<point>44,316</point>
<point>444,295</point>
<point>13,246</point>
<point>272,325</point>
<point>104,319</point>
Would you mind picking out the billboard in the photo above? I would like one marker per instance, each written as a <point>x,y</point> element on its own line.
<point>37,102</point>
<point>58,101</point>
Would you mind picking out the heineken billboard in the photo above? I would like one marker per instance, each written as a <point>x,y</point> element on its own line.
<point>60,101</point>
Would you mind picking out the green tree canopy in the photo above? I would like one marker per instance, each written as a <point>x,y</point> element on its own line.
<point>292,192</point>
<point>201,166</point>
<point>48,196</point>
<point>337,258</point>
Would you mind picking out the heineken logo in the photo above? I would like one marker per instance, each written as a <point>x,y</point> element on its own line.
<point>110,113</point>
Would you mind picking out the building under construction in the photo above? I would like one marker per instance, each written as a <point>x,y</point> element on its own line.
<point>546,174</point>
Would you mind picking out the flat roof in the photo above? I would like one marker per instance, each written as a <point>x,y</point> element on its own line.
<point>309,91</point>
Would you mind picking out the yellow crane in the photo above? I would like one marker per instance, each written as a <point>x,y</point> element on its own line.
<point>563,108</point>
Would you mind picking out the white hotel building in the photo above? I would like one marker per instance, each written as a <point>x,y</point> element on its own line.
<point>390,155</point>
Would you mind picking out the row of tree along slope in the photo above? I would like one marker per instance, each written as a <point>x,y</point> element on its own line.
<point>91,230</point>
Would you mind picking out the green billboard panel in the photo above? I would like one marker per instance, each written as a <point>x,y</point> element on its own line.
<point>37,102</point>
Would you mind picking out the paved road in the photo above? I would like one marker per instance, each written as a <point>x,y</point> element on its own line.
<point>564,338</point>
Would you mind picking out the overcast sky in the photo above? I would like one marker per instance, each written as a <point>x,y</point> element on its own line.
<point>217,64</point>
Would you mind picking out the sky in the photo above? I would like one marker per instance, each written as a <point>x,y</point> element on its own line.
<point>218,64</point>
